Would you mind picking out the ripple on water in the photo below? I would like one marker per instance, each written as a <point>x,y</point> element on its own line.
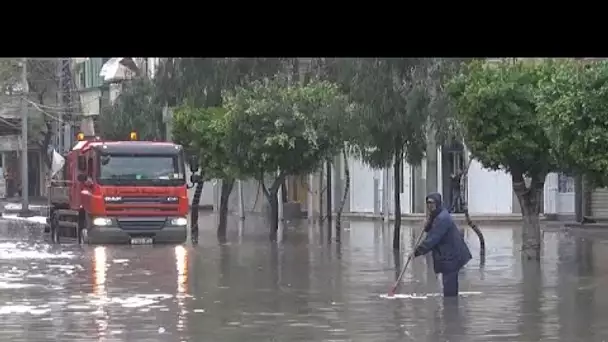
<point>5,285</point>
<point>22,309</point>
<point>425,295</point>
<point>305,292</point>
<point>135,301</point>
<point>12,250</point>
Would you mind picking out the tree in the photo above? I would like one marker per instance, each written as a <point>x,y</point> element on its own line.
<point>202,132</point>
<point>42,83</point>
<point>135,108</point>
<point>283,130</point>
<point>497,108</point>
<point>573,102</point>
<point>199,83</point>
<point>397,106</point>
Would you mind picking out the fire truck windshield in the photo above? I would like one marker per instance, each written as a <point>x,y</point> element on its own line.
<point>141,170</point>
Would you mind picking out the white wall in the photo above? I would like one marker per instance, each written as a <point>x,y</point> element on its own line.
<point>361,187</point>
<point>89,100</point>
<point>9,143</point>
<point>115,89</point>
<point>559,194</point>
<point>489,192</point>
<point>153,63</point>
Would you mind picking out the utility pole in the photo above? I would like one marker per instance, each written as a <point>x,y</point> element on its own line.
<point>25,200</point>
<point>61,104</point>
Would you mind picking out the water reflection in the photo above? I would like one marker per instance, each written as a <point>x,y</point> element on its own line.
<point>181,265</point>
<point>454,320</point>
<point>100,292</point>
<point>532,302</point>
<point>302,290</point>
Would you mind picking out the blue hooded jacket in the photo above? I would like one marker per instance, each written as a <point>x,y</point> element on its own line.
<point>450,251</point>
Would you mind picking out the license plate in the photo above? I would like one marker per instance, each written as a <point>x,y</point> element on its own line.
<point>141,241</point>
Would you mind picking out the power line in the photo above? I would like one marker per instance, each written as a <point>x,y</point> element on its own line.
<point>56,118</point>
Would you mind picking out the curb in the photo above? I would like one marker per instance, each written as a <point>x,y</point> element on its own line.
<point>599,226</point>
<point>459,218</point>
<point>42,210</point>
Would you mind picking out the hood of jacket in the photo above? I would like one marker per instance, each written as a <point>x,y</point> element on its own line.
<point>436,197</point>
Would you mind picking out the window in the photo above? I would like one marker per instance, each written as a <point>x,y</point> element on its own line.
<point>565,183</point>
<point>92,68</point>
<point>90,167</point>
<point>149,169</point>
<point>82,78</point>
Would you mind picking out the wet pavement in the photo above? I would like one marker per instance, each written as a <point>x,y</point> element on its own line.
<point>302,290</point>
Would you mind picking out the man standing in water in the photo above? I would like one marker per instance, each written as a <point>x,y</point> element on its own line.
<point>450,251</point>
<point>456,203</point>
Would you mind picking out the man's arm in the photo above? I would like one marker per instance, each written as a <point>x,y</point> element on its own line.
<point>435,234</point>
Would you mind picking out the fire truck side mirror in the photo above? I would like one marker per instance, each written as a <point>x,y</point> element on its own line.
<point>194,178</point>
<point>81,177</point>
<point>82,163</point>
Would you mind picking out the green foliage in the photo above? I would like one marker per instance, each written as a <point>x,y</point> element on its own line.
<point>202,132</point>
<point>201,81</point>
<point>292,129</point>
<point>396,100</point>
<point>496,105</point>
<point>198,83</point>
<point>442,113</point>
<point>134,109</point>
<point>573,103</point>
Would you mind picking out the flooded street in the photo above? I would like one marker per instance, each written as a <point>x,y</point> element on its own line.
<point>302,290</point>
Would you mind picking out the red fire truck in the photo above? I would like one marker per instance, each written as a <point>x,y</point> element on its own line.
<point>120,192</point>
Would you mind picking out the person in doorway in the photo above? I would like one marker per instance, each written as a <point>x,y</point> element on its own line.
<point>446,241</point>
<point>456,202</point>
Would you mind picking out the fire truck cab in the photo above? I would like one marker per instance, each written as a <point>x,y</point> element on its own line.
<point>120,192</point>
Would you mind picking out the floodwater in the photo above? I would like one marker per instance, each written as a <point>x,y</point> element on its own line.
<point>301,290</point>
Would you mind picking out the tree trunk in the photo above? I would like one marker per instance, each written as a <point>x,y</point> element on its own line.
<point>274,215</point>
<point>529,201</point>
<point>464,179</point>
<point>329,195</point>
<point>227,185</point>
<point>397,193</point>
<point>47,135</point>
<point>271,195</point>
<point>196,200</point>
<point>344,197</point>
<point>284,192</point>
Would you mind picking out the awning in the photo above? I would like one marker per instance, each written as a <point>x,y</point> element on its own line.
<point>118,68</point>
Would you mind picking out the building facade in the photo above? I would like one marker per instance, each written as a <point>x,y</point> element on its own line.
<point>10,150</point>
